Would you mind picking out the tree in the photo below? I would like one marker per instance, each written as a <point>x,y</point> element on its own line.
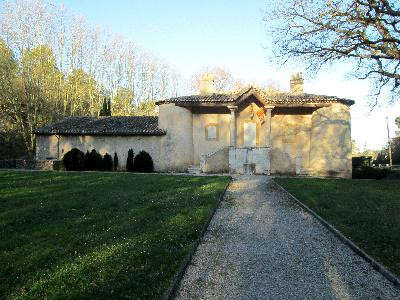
<point>54,64</point>
<point>83,94</point>
<point>129,160</point>
<point>363,32</point>
<point>143,163</point>
<point>107,162</point>
<point>106,109</point>
<point>397,121</point>
<point>146,108</point>
<point>122,102</point>
<point>354,149</point>
<point>116,164</point>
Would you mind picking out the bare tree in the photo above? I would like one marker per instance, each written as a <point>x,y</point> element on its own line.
<point>363,32</point>
<point>223,80</point>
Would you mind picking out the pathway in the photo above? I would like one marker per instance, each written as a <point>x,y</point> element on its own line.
<point>260,245</point>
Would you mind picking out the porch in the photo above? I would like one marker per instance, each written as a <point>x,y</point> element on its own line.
<point>249,158</point>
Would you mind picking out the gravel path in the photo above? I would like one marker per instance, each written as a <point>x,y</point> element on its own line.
<point>260,245</point>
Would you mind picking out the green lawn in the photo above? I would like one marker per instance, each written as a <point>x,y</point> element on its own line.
<point>366,211</point>
<point>98,235</point>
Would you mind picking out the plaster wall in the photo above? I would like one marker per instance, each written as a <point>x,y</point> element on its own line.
<point>290,140</point>
<point>202,146</point>
<point>217,162</point>
<point>46,147</point>
<point>102,144</point>
<point>330,153</point>
<point>176,147</point>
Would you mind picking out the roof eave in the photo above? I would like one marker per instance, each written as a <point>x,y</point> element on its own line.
<point>63,133</point>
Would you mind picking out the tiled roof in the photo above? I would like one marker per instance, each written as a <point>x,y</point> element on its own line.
<point>200,99</point>
<point>306,98</point>
<point>276,99</point>
<point>108,126</point>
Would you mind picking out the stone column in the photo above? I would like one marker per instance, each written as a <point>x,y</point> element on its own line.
<point>233,110</point>
<point>268,128</point>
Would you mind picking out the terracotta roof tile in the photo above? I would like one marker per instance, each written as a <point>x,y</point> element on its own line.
<point>281,98</point>
<point>108,126</point>
<point>200,99</point>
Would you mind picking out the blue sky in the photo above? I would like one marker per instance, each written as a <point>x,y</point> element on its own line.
<point>192,34</point>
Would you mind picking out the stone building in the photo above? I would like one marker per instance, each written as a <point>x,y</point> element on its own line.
<point>245,132</point>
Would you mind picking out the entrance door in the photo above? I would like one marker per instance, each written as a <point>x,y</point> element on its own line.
<point>249,134</point>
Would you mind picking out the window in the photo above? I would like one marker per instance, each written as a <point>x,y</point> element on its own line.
<point>211,132</point>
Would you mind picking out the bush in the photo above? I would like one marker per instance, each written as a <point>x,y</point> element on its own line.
<point>12,145</point>
<point>129,161</point>
<point>143,163</point>
<point>93,161</point>
<point>393,175</point>
<point>74,160</point>
<point>115,161</point>
<point>107,162</point>
<point>360,161</point>
<point>366,172</point>
<point>87,161</point>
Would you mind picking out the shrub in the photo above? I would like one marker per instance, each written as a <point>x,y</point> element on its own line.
<point>143,162</point>
<point>393,175</point>
<point>366,172</point>
<point>359,161</point>
<point>129,161</point>
<point>93,161</point>
<point>74,160</point>
<point>87,161</point>
<point>107,162</point>
<point>115,161</point>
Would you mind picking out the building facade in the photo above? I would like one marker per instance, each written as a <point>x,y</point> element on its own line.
<point>245,132</point>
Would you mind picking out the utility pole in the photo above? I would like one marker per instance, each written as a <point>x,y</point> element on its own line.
<point>389,143</point>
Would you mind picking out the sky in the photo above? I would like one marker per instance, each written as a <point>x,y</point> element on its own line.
<point>192,34</point>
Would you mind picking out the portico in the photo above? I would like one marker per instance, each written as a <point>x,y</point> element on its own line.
<point>251,156</point>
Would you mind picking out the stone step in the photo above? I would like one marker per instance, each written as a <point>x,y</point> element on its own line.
<point>194,170</point>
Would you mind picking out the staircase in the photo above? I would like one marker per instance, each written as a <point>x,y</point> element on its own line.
<point>194,170</point>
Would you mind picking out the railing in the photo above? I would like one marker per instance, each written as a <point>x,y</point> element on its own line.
<point>246,160</point>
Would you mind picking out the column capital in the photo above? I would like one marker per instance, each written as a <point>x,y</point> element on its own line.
<point>232,107</point>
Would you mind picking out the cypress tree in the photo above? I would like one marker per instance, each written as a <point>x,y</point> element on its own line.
<point>107,162</point>
<point>129,161</point>
<point>115,161</point>
<point>106,109</point>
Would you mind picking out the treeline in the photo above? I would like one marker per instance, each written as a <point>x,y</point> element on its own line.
<point>54,64</point>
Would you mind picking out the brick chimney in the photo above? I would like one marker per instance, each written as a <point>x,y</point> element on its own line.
<point>296,84</point>
<point>207,84</point>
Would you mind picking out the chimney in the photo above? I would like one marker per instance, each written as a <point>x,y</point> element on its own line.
<point>296,84</point>
<point>207,84</point>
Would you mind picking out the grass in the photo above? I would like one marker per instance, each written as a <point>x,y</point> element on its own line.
<point>98,235</point>
<point>366,211</point>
